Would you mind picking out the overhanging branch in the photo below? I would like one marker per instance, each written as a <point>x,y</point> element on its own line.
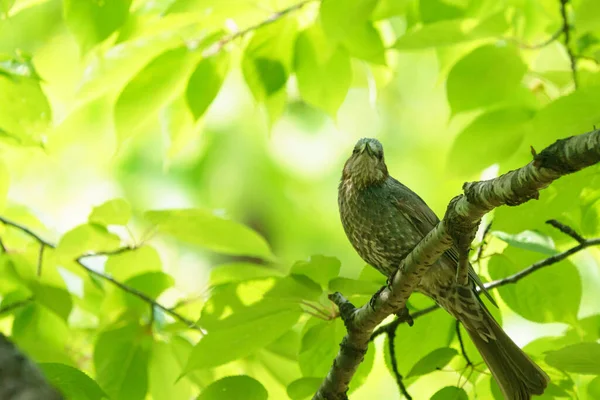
<point>461,220</point>
<point>79,261</point>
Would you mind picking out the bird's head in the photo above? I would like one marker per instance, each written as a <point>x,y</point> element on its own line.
<point>366,166</point>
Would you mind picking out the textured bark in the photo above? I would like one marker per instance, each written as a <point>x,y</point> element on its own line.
<point>20,379</point>
<point>459,225</point>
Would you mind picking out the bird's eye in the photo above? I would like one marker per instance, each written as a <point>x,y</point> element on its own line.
<point>355,150</point>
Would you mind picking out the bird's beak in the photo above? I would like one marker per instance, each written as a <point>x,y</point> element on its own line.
<point>366,147</point>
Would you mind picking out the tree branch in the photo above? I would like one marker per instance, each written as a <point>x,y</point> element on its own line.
<point>461,220</point>
<point>79,260</point>
<point>218,46</point>
<point>392,349</point>
<point>462,344</point>
<point>500,282</point>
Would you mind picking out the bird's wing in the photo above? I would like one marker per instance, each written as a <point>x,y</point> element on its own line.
<point>423,219</point>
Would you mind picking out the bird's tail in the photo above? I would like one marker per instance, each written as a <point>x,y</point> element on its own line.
<point>517,375</point>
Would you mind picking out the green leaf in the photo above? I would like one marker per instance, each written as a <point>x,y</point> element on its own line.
<point>93,21</point>
<point>323,70</point>
<point>348,21</point>
<point>5,6</point>
<point>501,68</point>
<point>433,361</point>
<point>242,333</point>
<point>318,268</point>
<point>569,115</point>
<point>528,240</point>
<point>152,284</point>
<point>26,113</point>
<point>4,184</point>
<point>454,31</point>
<point>267,60</point>
<point>41,334</point>
<point>303,388</point>
<point>419,339</point>
<point>129,263</point>
<point>556,289</point>
<point>389,8</point>
<point>205,82</point>
<point>86,238</point>
<point>235,387</point>
<point>164,372</point>
<point>177,123</point>
<point>239,272</point>
<point>164,77</point>
<point>296,287</point>
<point>56,299</point>
<point>580,358</point>
<point>71,382</point>
<point>493,137</point>
<point>121,362</point>
<point>353,287</point>
<point>204,228</point>
<point>112,212</point>
<point>450,393</point>
<point>593,388</point>
<point>320,344</point>
<point>267,64</point>
<point>586,16</point>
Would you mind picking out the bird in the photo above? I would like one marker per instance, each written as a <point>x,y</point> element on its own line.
<point>384,220</point>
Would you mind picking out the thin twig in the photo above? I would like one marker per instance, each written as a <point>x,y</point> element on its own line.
<point>191,324</point>
<point>567,230</point>
<point>2,246</point>
<point>462,344</point>
<point>40,259</point>
<point>15,305</point>
<point>540,45</point>
<point>392,349</point>
<point>237,35</point>
<point>566,29</point>
<point>484,243</point>
<point>541,264</point>
<point>317,309</point>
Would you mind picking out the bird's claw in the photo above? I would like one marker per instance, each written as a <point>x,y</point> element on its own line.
<point>375,296</point>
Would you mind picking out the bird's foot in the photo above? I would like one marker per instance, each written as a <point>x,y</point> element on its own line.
<point>375,296</point>
<point>404,315</point>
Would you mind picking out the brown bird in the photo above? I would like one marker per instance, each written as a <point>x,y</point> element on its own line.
<point>384,220</point>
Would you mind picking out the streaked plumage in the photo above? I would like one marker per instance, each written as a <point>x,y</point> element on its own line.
<point>384,220</point>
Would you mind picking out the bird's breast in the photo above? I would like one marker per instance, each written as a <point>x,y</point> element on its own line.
<point>378,231</point>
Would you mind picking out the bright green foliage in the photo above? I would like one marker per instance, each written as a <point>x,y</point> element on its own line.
<point>557,291</point>
<point>206,229</point>
<point>240,334</point>
<point>197,241</point>
<point>26,113</point>
<point>93,21</point>
<point>121,357</point>
<point>349,23</point>
<point>235,387</point>
<point>72,383</point>
<point>450,392</point>
<point>113,212</point>
<point>582,358</point>
<point>500,67</point>
<point>133,107</point>
<point>323,69</point>
<point>433,361</point>
<point>205,82</point>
